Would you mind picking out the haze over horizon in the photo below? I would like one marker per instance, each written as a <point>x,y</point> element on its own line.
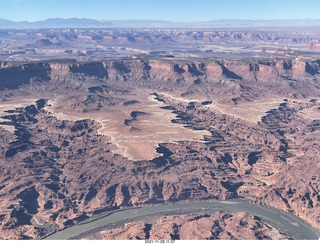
<point>166,10</point>
<point>157,20</point>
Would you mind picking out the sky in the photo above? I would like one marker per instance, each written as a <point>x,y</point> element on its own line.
<point>170,10</point>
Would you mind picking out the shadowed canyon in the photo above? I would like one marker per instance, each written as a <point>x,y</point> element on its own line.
<point>81,138</point>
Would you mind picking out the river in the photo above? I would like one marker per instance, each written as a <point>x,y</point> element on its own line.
<point>283,220</point>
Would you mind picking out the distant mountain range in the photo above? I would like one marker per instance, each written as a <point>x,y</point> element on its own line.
<point>92,23</point>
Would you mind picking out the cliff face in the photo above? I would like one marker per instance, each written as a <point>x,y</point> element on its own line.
<point>169,72</point>
<point>227,81</point>
<point>59,70</point>
<point>68,170</point>
<point>177,69</point>
<point>11,77</point>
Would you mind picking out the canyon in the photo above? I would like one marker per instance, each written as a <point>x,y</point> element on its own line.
<point>83,137</point>
<point>90,44</point>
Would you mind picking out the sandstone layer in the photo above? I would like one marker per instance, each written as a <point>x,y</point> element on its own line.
<point>57,170</point>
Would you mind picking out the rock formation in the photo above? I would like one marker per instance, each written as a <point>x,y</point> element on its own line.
<point>57,171</point>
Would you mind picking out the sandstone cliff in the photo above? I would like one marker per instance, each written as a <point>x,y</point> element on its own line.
<point>58,171</point>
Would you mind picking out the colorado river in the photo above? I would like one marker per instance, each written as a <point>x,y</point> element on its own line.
<point>282,219</point>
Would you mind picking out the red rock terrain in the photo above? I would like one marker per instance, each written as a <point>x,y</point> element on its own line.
<point>56,172</point>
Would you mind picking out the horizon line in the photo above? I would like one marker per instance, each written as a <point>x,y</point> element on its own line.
<point>173,21</point>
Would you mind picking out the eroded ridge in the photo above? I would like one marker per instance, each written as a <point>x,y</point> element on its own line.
<point>68,155</point>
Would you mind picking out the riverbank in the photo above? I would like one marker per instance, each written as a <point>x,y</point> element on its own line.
<point>286,223</point>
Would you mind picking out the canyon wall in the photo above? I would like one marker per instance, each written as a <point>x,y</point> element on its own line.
<point>56,172</point>
<point>278,76</point>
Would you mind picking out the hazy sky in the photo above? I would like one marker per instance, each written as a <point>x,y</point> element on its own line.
<point>172,10</point>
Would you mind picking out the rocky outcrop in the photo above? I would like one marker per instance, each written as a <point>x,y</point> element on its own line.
<point>59,70</point>
<point>68,170</point>
<point>275,158</point>
<point>13,77</point>
<point>210,77</point>
<point>176,70</point>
